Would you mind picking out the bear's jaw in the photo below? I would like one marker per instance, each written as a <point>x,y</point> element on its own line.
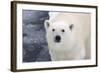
<point>63,45</point>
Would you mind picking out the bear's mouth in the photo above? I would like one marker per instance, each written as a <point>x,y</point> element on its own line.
<point>57,39</point>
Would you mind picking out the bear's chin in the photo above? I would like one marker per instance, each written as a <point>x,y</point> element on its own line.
<point>57,41</point>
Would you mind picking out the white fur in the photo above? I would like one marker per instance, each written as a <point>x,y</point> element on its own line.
<point>72,44</point>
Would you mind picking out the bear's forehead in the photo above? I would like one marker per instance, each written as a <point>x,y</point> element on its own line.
<point>60,24</point>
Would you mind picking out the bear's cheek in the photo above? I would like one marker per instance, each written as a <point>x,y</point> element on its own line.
<point>50,34</point>
<point>65,35</point>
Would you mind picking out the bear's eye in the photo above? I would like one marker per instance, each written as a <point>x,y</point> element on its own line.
<point>53,29</point>
<point>63,30</point>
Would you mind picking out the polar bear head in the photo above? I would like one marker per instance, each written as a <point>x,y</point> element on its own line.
<point>58,32</point>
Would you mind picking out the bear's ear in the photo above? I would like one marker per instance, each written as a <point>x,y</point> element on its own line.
<point>71,26</point>
<point>46,24</point>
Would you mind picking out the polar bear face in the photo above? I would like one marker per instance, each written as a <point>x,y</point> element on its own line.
<point>58,32</point>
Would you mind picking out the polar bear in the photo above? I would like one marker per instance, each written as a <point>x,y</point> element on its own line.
<point>65,38</point>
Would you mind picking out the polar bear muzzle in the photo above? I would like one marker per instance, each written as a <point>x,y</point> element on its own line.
<point>57,39</point>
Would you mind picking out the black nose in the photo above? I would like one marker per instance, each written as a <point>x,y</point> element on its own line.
<point>57,38</point>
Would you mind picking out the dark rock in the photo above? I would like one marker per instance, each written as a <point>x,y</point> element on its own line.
<point>35,46</point>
